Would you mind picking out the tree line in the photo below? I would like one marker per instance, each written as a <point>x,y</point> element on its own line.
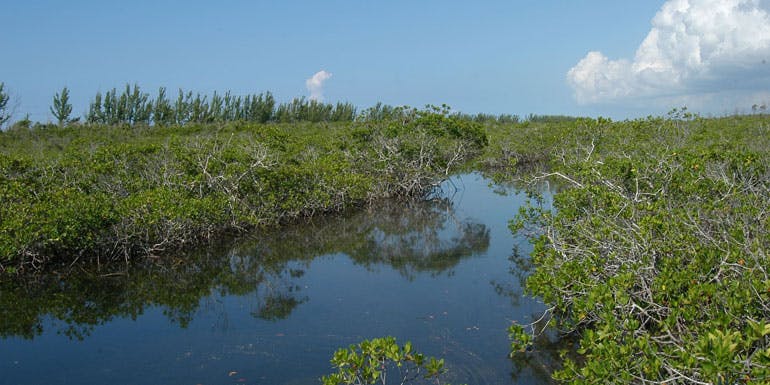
<point>133,106</point>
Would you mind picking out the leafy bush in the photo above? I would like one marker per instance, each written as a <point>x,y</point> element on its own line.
<point>109,193</point>
<point>655,250</point>
<point>372,361</point>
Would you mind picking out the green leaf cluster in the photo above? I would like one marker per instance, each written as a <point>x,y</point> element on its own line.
<point>372,361</point>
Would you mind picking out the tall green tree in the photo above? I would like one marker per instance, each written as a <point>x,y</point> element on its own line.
<point>61,108</point>
<point>95,113</point>
<point>5,116</point>
<point>163,112</point>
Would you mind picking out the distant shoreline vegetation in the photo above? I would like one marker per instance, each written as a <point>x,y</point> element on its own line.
<point>103,192</point>
<point>133,106</point>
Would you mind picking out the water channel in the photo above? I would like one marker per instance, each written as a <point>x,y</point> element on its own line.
<point>272,308</point>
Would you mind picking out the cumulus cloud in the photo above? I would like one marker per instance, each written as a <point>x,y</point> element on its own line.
<point>315,84</point>
<point>696,50</point>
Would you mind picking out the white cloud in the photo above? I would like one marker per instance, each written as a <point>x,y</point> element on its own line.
<point>315,84</point>
<point>704,51</point>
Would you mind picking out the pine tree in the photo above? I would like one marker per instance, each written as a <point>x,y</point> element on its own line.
<point>62,108</point>
<point>5,116</point>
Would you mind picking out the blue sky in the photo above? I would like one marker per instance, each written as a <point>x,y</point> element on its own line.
<point>489,56</point>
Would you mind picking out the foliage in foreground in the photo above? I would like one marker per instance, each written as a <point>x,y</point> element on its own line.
<point>655,250</point>
<point>106,193</point>
<point>372,361</point>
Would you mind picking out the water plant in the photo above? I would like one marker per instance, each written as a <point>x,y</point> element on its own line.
<point>373,361</point>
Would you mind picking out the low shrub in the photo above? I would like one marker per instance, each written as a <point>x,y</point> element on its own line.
<point>655,251</point>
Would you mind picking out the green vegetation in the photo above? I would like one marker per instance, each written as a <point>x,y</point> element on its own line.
<point>61,108</point>
<point>372,361</point>
<point>654,253</point>
<point>135,107</point>
<point>5,115</point>
<point>301,109</point>
<point>101,193</point>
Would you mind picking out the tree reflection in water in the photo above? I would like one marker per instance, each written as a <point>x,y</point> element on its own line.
<point>547,351</point>
<point>412,238</point>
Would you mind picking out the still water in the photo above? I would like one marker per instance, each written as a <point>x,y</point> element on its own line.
<point>272,308</point>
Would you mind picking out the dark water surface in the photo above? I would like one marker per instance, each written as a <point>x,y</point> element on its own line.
<point>271,309</point>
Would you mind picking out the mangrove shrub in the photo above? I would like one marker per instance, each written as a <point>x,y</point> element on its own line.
<point>655,250</point>
<point>106,193</point>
